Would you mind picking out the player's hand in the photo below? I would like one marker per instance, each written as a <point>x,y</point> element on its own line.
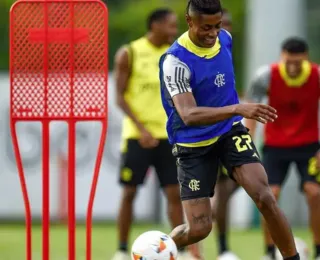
<point>260,112</point>
<point>146,140</point>
<point>318,160</point>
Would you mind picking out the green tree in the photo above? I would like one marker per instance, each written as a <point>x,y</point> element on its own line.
<point>127,21</point>
<point>4,32</point>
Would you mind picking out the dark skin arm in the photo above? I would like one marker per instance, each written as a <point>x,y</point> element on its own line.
<point>193,115</point>
<point>122,74</point>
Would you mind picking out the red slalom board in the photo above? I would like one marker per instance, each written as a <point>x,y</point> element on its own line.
<point>58,71</point>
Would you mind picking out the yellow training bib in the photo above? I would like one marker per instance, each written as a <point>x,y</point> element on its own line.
<point>143,92</point>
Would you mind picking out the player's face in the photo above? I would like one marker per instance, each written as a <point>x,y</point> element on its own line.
<point>294,63</point>
<point>204,28</point>
<point>169,28</point>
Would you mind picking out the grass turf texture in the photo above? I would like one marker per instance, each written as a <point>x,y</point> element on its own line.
<point>247,244</point>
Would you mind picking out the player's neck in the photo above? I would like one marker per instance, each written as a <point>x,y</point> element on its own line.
<point>194,41</point>
<point>154,40</point>
<point>295,76</point>
<point>298,73</point>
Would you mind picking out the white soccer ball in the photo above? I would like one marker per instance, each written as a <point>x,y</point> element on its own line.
<point>302,249</point>
<point>154,245</point>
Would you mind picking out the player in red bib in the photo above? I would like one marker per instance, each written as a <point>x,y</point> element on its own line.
<point>292,87</point>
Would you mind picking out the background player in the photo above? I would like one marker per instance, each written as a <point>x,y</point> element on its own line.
<point>144,136</point>
<point>292,87</point>
<point>225,187</point>
<point>204,114</point>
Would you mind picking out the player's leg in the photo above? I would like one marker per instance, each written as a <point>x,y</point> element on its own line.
<point>199,222</point>
<point>276,162</point>
<point>197,172</point>
<point>270,248</point>
<point>165,165</point>
<point>224,189</point>
<point>306,164</point>
<point>125,216</point>
<point>312,191</point>
<point>253,178</point>
<point>240,156</point>
<point>174,205</point>
<point>176,217</point>
<point>166,168</point>
<point>134,165</point>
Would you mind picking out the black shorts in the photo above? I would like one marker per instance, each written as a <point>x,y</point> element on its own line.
<point>137,160</point>
<point>198,167</point>
<point>277,160</point>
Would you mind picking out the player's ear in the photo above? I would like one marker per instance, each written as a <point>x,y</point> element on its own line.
<point>189,20</point>
<point>283,56</point>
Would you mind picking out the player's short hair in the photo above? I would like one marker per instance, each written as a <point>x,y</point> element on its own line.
<point>295,45</point>
<point>204,6</point>
<point>158,15</point>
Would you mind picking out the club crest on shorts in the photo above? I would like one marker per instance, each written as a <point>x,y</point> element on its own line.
<point>194,185</point>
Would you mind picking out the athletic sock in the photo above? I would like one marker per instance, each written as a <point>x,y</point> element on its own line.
<point>223,243</point>
<point>317,250</point>
<point>296,257</point>
<point>271,251</point>
<point>123,246</point>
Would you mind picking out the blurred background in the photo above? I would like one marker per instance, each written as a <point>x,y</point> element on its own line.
<point>259,27</point>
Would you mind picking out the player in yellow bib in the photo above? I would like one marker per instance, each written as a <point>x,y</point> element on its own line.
<point>144,137</point>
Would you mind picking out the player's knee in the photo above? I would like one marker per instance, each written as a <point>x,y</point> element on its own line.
<point>312,191</point>
<point>264,199</point>
<point>201,231</point>
<point>129,193</point>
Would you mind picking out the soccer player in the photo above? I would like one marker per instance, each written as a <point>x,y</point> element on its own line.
<point>225,187</point>
<point>292,86</point>
<point>204,114</point>
<point>145,141</point>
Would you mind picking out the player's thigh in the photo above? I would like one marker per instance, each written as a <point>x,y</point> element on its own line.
<point>135,162</point>
<point>223,174</point>
<point>241,157</point>
<point>306,164</point>
<point>165,164</point>
<point>225,185</point>
<point>276,162</point>
<point>197,171</point>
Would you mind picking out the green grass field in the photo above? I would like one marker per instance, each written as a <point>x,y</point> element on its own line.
<point>247,244</point>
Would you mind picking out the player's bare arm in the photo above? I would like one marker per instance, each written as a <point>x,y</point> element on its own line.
<point>191,114</point>
<point>256,92</point>
<point>122,74</point>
